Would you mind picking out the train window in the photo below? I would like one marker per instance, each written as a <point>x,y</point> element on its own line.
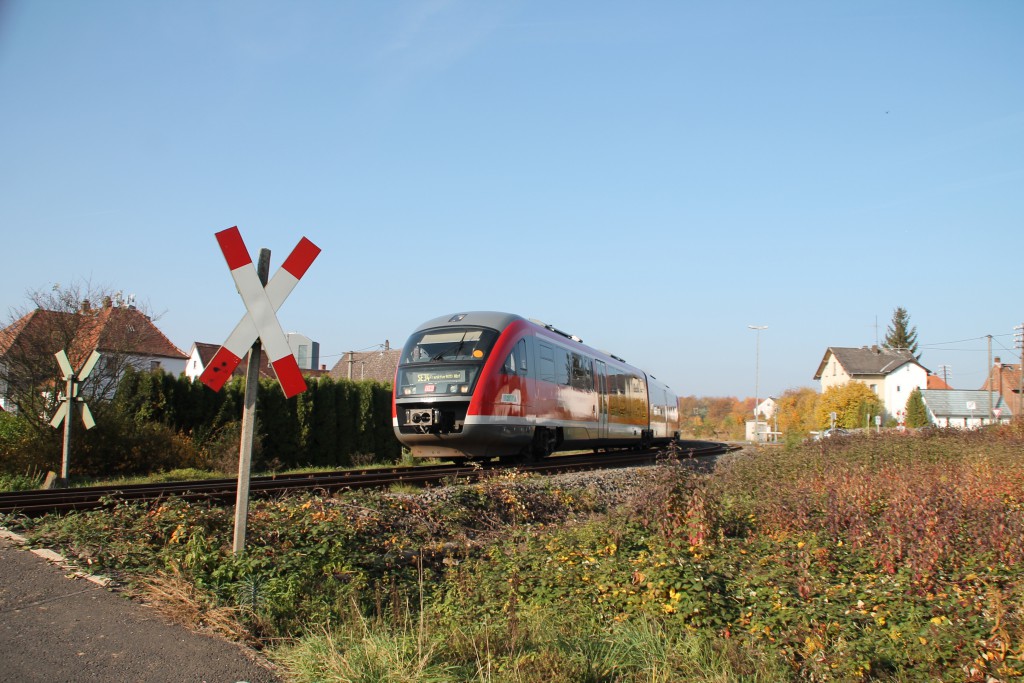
<point>448,344</point>
<point>515,364</point>
<point>520,352</point>
<point>582,373</point>
<point>562,366</point>
<point>509,366</point>
<point>616,392</point>
<point>546,365</point>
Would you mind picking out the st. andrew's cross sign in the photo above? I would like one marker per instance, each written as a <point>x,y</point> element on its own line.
<point>66,412</point>
<point>260,320</point>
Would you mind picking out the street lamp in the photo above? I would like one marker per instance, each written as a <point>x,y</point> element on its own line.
<point>757,374</point>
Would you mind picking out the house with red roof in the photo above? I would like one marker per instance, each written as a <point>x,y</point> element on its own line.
<point>937,383</point>
<point>123,336</point>
<point>378,365</point>
<point>1005,379</point>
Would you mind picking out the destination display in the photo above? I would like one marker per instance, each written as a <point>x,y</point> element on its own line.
<point>441,376</point>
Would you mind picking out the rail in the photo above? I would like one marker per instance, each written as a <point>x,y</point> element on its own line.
<point>32,503</point>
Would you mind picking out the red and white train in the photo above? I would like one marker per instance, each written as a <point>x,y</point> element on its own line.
<point>484,384</point>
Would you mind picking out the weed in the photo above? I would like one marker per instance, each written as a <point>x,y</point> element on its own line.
<point>889,557</point>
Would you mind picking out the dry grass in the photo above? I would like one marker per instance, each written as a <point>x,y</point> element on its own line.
<point>182,603</point>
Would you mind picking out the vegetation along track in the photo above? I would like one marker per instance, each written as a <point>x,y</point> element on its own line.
<point>40,502</point>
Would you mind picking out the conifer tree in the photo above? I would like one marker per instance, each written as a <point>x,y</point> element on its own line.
<point>917,412</point>
<point>901,334</point>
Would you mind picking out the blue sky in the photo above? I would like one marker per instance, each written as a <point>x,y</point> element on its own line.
<point>653,177</point>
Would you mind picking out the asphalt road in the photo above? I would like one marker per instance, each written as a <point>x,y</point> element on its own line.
<point>56,628</point>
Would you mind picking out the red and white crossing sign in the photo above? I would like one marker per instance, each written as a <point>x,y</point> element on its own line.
<point>260,320</point>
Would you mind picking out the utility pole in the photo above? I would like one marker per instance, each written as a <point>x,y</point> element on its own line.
<point>990,415</point>
<point>1018,337</point>
<point>757,374</point>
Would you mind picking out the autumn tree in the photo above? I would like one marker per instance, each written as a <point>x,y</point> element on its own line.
<point>854,404</point>
<point>917,412</point>
<point>719,417</point>
<point>796,411</point>
<point>901,334</point>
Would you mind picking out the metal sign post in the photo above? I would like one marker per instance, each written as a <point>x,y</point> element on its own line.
<point>71,397</point>
<point>259,327</point>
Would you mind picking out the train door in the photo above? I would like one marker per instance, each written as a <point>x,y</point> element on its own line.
<point>601,376</point>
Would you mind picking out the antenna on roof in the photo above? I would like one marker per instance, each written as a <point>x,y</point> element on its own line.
<point>564,334</point>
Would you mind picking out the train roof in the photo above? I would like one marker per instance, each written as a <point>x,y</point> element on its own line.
<point>495,320</point>
<point>499,321</point>
<point>492,319</point>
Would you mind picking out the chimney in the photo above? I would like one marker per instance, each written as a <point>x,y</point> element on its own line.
<point>86,306</point>
<point>996,362</point>
<point>387,345</point>
<point>107,302</point>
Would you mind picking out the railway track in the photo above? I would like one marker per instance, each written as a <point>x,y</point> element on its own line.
<point>32,503</point>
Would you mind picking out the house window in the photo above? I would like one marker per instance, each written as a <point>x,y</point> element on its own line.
<point>874,388</point>
<point>154,365</point>
<point>897,388</point>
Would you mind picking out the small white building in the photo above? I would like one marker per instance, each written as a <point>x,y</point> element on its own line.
<point>760,431</point>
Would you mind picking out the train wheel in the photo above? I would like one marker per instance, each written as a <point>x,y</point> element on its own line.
<point>544,442</point>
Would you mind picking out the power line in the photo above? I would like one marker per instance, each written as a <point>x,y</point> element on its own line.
<point>961,341</point>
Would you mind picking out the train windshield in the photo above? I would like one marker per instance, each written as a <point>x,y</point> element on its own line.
<point>444,361</point>
<point>449,344</point>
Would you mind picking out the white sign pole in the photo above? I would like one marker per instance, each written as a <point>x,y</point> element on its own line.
<point>252,385</point>
<point>68,419</point>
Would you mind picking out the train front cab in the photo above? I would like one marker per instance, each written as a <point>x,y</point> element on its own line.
<point>445,380</point>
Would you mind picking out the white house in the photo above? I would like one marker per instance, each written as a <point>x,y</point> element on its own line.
<point>891,374</point>
<point>766,408</point>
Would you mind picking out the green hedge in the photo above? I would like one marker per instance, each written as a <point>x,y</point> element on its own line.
<point>330,424</point>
